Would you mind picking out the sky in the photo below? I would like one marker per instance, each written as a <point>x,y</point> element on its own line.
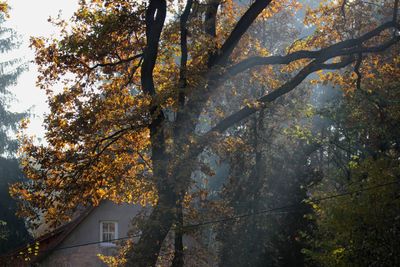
<point>29,18</point>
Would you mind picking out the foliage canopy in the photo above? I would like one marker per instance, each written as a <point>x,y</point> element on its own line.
<point>139,76</point>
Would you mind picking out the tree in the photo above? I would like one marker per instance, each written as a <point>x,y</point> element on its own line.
<point>12,228</point>
<point>267,172</point>
<point>359,229</point>
<point>9,73</point>
<point>126,125</point>
<point>3,7</point>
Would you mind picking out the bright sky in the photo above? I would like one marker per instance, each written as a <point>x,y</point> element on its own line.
<point>29,18</point>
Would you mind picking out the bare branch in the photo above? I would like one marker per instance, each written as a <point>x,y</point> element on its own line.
<point>357,71</point>
<point>395,10</point>
<point>343,9</point>
<point>112,136</point>
<point>144,160</point>
<point>120,61</point>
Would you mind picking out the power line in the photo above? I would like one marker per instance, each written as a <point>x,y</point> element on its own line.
<point>117,239</point>
<point>95,242</point>
<point>288,206</point>
<point>266,211</point>
<point>133,236</point>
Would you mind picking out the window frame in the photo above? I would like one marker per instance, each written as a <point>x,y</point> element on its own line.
<point>108,243</point>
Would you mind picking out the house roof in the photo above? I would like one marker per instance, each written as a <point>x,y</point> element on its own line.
<point>47,243</point>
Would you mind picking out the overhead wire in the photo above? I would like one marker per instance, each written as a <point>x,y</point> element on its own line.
<point>289,206</point>
<point>276,210</point>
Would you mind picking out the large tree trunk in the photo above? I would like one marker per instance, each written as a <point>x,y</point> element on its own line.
<point>146,251</point>
<point>178,260</point>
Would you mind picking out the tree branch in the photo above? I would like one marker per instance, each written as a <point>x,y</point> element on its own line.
<point>210,26</point>
<point>110,64</point>
<point>210,17</point>
<point>357,71</point>
<point>289,86</point>
<point>347,47</point>
<point>395,10</point>
<point>155,17</point>
<point>240,29</point>
<point>184,51</point>
<point>284,89</point>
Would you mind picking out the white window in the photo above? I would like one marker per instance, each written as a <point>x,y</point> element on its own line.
<point>108,231</point>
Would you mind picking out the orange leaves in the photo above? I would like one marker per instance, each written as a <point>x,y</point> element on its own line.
<point>4,8</point>
<point>98,145</point>
<point>24,194</point>
<point>98,139</point>
<point>37,42</point>
<point>278,6</point>
<point>335,22</point>
<point>253,104</point>
<point>295,65</point>
<point>101,193</point>
<point>375,71</point>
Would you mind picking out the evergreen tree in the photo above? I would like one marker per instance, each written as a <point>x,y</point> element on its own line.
<point>10,70</point>
<point>12,229</point>
<point>13,232</point>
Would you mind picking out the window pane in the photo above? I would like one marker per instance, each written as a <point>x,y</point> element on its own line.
<point>108,231</point>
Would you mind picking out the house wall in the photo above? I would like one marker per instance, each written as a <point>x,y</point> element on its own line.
<point>88,231</point>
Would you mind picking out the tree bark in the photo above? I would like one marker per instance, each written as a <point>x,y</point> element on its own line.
<point>177,178</point>
<point>145,253</point>
<point>178,260</point>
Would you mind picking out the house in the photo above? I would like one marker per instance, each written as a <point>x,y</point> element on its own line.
<point>78,242</point>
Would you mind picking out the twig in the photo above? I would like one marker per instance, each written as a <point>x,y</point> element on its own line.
<point>357,71</point>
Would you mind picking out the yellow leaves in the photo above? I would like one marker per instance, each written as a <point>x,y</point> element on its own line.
<point>338,251</point>
<point>219,112</point>
<point>100,176</point>
<point>230,145</point>
<point>4,8</point>
<point>101,192</point>
<point>30,250</point>
<point>51,212</point>
<point>375,71</point>
<point>97,132</point>
<point>24,123</point>
<point>278,6</point>
<point>300,132</point>
<point>25,194</point>
<point>297,45</point>
<point>295,65</point>
<point>254,104</point>
<point>317,208</point>
<point>37,42</point>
